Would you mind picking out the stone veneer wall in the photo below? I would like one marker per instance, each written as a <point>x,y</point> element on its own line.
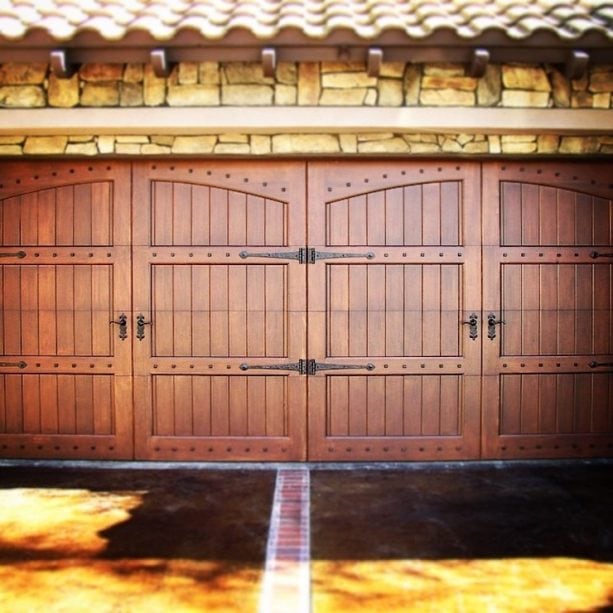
<point>327,84</point>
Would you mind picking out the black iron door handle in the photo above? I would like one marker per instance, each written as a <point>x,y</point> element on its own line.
<point>140,326</point>
<point>491,326</point>
<point>122,322</point>
<point>473,326</point>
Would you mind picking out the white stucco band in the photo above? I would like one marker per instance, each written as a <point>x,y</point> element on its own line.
<point>276,120</point>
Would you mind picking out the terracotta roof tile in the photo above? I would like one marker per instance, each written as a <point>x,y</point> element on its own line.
<point>265,19</point>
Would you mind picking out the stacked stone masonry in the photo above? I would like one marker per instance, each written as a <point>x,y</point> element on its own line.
<point>326,84</point>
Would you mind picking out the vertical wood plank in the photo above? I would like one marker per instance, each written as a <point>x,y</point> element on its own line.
<point>584,306</point>
<point>83,317</point>
<point>201,390</point>
<point>357,406</point>
<point>510,404</point>
<point>450,213</point>
<point>357,221</point>
<point>83,214</point>
<point>548,324</point>
<point>432,214</point>
<point>23,395</point>
<point>239,425</point>
<point>257,313</point>
<point>337,223</point>
<point>338,405</point>
<point>219,217</point>
<point>163,305</point>
<point>601,409</point>
<point>358,310</point>
<point>276,223</point>
<point>47,316</point>
<point>256,226</point>
<point>583,403</point>
<point>237,218</point>
<point>413,310</point>
<point>530,309</point>
<point>220,425</point>
<point>584,216</point>
<point>219,311</point>
<point>531,222</point>
<point>603,309</point>
<point>66,342</point>
<point>66,394</point>
<point>29,311</point>
<point>200,315</point>
<point>548,215</point>
<point>46,224</point>
<point>49,404</point>
<point>566,217</point>
<point>163,405</point>
<point>450,309</point>
<point>102,395</point>
<point>602,221</point>
<point>547,404</point>
<point>161,213</point>
<point>182,292</point>
<point>413,405</point>
<point>201,215</point>
<point>375,217</point>
<point>276,406</point>
<point>276,305</point>
<point>84,400</point>
<point>413,215</point>
<point>183,405</point>
<point>102,218</point>
<point>510,212</point>
<point>376,310</point>
<point>338,315</point>
<point>451,404</point>
<point>566,311</point>
<point>28,218</point>
<point>394,309</point>
<point>565,394</point>
<point>11,221</point>
<point>394,405</point>
<point>394,217</point>
<point>530,404</point>
<point>431,321</point>
<point>102,309</point>
<point>64,215</point>
<point>431,399</point>
<point>237,317</point>
<point>256,406</point>
<point>376,403</point>
<point>181,214</point>
<point>11,311</point>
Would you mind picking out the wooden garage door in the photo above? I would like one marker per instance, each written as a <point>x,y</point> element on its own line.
<point>65,385</point>
<point>396,272</point>
<point>221,294</point>
<point>548,274</point>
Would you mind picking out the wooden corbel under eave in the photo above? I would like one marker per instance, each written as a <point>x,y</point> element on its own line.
<point>60,64</point>
<point>479,62</point>
<point>269,62</point>
<point>159,61</point>
<point>576,65</point>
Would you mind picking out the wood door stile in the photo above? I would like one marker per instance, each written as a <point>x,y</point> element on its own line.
<point>72,398</point>
<point>399,309</point>
<point>212,311</point>
<point>543,396</point>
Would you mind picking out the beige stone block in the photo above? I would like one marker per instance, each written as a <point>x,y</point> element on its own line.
<point>460,83</point>
<point>305,143</point>
<point>601,81</point>
<point>133,73</point>
<point>489,88</point>
<point>63,93</point>
<point>287,73</point>
<point>547,143</point>
<point>348,80</point>
<point>390,92</point>
<point>101,72</point>
<point>128,148</point>
<point>193,95</point>
<point>22,74</point>
<point>582,100</point>
<point>349,143</point>
<point>463,139</point>
<point>579,144</point>
<point>100,94</point>
<point>421,138</point>
<point>371,98</point>
<point>412,85</point>
<point>245,73</point>
<point>246,95</point>
<point>131,94</point>
<point>580,85</point>
<point>603,149</point>
<point>187,73</point>
<point>309,86</point>
<point>560,89</point>
<point>261,144</point>
<point>343,97</point>
<point>342,67</point>
<point>155,149</point>
<point>450,145</point>
<point>162,139</point>
<point>208,73</point>
<point>11,150</point>
<point>11,140</point>
<point>286,95</point>
<point>154,88</point>
<point>81,149</point>
<point>476,147</point>
<point>444,70</point>
<point>45,144</point>
<point>446,97</point>
<point>425,147</point>
<point>494,143</point>
<point>77,138</point>
<point>602,101</point>
<point>392,70</point>
<point>390,145</point>
<point>233,137</point>
<point>515,98</point>
<point>22,96</point>
<point>232,148</point>
<point>518,147</point>
<point>194,144</point>
<point>106,143</point>
<point>368,136</point>
<point>518,138</point>
<point>533,78</point>
<point>131,138</point>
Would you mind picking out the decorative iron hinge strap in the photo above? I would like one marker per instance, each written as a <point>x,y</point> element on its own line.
<point>599,364</point>
<point>315,255</point>
<point>300,255</point>
<point>16,254</point>
<point>597,254</point>
<point>300,366</point>
<point>315,366</point>
<point>20,364</point>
